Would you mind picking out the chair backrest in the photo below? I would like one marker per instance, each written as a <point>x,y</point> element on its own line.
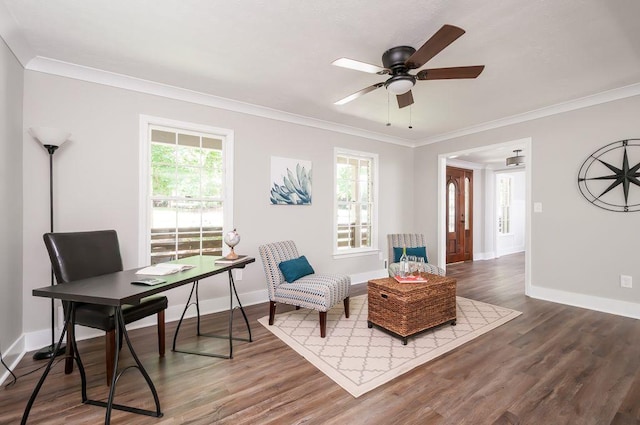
<point>273,254</point>
<point>80,255</point>
<point>408,240</point>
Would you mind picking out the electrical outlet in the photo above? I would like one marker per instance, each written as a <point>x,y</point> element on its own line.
<point>238,274</point>
<point>626,281</point>
<point>386,266</point>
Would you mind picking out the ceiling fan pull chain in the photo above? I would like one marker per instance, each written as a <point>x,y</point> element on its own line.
<point>388,103</point>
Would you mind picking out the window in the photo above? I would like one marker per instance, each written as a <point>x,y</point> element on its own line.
<point>467,195</point>
<point>356,202</point>
<point>186,189</point>
<point>504,205</point>
<point>451,193</point>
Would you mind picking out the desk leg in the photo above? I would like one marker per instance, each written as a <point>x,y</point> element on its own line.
<point>232,285</point>
<point>36,390</point>
<point>194,288</point>
<point>230,337</point>
<point>110,405</point>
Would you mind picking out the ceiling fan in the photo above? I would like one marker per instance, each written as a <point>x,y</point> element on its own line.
<point>398,61</point>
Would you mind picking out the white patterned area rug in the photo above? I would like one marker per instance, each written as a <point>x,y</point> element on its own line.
<point>360,359</point>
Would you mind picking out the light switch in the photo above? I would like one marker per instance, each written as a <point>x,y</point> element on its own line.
<point>537,207</point>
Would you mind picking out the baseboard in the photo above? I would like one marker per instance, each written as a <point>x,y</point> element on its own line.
<point>604,305</point>
<point>479,256</point>
<point>12,357</point>
<point>510,251</point>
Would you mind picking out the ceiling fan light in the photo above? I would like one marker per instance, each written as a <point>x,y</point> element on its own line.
<point>400,84</point>
<point>515,160</point>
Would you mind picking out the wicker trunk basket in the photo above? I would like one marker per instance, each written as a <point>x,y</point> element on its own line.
<point>409,308</point>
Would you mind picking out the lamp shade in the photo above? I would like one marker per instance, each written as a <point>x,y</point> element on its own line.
<point>50,136</point>
<point>515,160</point>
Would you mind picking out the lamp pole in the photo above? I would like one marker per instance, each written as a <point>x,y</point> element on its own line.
<point>51,139</point>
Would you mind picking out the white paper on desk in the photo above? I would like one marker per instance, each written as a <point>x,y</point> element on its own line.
<point>161,269</point>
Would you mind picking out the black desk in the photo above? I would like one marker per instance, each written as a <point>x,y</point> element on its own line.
<point>116,289</point>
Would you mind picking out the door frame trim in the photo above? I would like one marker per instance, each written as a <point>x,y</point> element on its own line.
<point>442,175</point>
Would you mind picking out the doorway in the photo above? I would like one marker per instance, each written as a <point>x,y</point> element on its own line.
<point>485,161</point>
<point>459,214</point>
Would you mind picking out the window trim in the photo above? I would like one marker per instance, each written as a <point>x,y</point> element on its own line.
<point>144,212</point>
<point>353,252</point>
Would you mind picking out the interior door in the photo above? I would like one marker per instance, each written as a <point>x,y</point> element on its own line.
<point>459,194</point>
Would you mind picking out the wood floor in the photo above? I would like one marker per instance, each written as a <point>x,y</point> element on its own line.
<point>554,364</point>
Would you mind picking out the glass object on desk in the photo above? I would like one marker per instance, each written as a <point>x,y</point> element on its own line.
<point>404,263</point>
<point>413,265</point>
<point>421,267</point>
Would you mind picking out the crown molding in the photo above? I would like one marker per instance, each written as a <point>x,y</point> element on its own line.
<point>94,75</point>
<point>583,102</point>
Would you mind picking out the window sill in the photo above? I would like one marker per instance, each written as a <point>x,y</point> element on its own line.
<point>355,253</point>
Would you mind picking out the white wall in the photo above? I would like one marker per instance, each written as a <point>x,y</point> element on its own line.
<point>578,251</point>
<point>96,176</point>
<point>11,83</point>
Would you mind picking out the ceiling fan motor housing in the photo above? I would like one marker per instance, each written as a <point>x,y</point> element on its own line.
<point>395,60</point>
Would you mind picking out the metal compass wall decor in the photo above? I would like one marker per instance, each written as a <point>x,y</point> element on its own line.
<point>610,177</point>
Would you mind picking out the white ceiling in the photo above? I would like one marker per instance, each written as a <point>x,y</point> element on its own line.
<point>277,53</point>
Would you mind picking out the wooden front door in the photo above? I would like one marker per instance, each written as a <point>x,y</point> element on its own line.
<point>459,212</point>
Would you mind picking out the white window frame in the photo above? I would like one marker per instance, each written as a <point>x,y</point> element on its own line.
<point>353,252</point>
<point>144,195</point>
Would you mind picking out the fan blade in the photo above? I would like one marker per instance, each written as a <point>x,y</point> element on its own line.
<point>358,94</point>
<point>450,73</point>
<point>360,66</point>
<point>441,39</point>
<point>405,99</point>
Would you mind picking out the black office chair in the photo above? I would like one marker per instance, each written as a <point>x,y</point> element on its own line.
<point>80,255</point>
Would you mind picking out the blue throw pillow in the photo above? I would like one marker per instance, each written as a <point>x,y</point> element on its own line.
<point>420,251</point>
<point>293,270</point>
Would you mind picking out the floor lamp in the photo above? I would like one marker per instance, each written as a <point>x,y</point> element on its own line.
<point>51,139</point>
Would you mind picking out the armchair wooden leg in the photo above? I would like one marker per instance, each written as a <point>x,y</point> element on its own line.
<point>110,348</point>
<point>272,312</point>
<point>161,341</point>
<point>346,307</point>
<point>323,324</point>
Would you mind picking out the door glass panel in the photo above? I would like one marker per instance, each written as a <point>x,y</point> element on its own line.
<point>451,190</point>
<point>466,203</point>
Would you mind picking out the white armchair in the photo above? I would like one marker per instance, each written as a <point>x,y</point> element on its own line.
<point>316,291</point>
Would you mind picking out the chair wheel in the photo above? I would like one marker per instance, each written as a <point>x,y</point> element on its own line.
<point>453,323</point>
<point>369,324</point>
